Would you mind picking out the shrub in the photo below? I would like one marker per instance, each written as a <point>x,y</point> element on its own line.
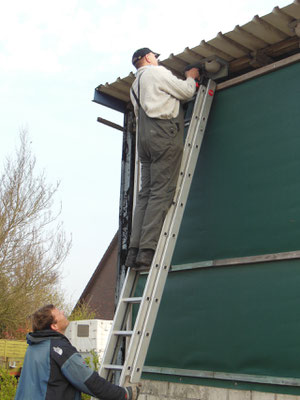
<point>82,311</point>
<point>94,363</point>
<point>8,385</point>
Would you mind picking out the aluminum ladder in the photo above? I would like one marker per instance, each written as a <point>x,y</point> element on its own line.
<point>138,338</point>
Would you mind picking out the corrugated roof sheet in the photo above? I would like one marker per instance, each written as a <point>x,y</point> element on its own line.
<point>259,42</point>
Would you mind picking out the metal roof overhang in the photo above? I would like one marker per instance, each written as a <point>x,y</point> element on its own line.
<point>258,43</point>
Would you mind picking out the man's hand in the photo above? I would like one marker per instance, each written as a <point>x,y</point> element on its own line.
<point>192,73</point>
<point>133,391</point>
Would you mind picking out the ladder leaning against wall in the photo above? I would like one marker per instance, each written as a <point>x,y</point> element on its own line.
<point>138,338</point>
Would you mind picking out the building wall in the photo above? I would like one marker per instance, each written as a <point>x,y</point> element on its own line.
<point>241,318</point>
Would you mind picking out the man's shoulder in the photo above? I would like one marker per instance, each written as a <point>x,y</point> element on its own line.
<point>61,349</point>
<point>158,73</point>
<point>158,69</point>
<point>62,341</point>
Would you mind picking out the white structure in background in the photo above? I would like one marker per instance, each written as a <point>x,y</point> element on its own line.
<point>87,335</point>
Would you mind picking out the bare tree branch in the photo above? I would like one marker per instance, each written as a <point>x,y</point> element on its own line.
<point>33,244</point>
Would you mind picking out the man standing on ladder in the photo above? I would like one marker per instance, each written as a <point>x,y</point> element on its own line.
<point>156,94</point>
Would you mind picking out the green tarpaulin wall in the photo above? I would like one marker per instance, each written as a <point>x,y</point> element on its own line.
<point>245,195</point>
<point>244,201</point>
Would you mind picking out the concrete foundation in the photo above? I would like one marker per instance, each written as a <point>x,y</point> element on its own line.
<point>156,390</point>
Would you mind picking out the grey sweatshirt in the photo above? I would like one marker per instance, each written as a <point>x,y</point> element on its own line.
<point>161,91</point>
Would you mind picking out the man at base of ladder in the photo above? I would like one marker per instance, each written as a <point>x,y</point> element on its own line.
<point>53,369</point>
<point>156,94</point>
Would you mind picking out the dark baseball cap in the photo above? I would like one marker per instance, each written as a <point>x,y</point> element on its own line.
<point>140,53</point>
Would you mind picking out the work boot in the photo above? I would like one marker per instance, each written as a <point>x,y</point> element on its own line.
<point>130,261</point>
<point>145,257</point>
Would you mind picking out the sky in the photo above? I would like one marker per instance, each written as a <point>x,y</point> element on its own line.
<point>52,56</point>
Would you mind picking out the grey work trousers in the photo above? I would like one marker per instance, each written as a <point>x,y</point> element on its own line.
<point>160,146</point>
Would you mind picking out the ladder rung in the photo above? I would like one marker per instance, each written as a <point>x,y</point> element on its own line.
<point>134,300</point>
<point>111,366</point>
<point>123,333</point>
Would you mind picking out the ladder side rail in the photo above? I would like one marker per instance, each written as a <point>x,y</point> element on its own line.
<point>111,348</point>
<point>148,293</point>
<point>189,137</point>
<point>166,258</point>
<point>192,125</point>
<point>133,344</point>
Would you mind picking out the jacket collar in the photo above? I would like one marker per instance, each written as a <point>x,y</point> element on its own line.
<point>40,336</point>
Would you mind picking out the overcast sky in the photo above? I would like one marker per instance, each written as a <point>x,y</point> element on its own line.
<point>52,56</point>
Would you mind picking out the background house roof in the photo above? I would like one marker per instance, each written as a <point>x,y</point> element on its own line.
<point>99,293</point>
<point>259,42</point>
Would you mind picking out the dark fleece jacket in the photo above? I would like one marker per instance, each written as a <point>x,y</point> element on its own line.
<point>54,370</point>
